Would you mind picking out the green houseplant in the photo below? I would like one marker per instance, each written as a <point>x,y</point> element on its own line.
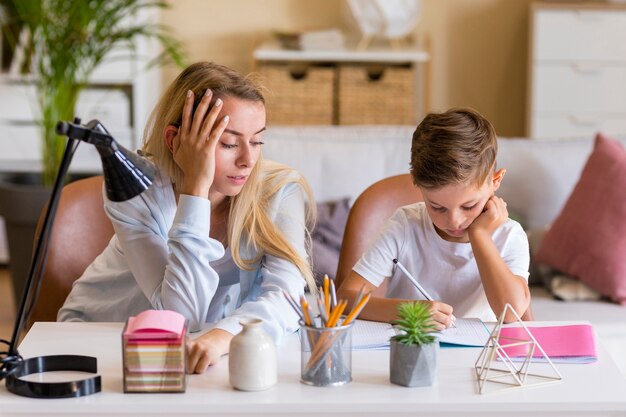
<point>65,42</point>
<point>414,350</point>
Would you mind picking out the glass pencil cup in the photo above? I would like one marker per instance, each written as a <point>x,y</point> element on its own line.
<point>326,355</point>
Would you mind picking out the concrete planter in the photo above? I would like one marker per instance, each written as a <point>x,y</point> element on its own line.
<point>413,365</point>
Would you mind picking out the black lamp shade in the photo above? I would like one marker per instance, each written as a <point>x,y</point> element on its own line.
<point>126,174</point>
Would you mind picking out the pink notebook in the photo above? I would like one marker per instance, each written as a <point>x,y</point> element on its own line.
<point>573,343</point>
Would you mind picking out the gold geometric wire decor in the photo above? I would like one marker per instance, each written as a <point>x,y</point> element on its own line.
<point>496,366</point>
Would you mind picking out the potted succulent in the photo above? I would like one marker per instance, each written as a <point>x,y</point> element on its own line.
<point>414,350</point>
<point>65,42</point>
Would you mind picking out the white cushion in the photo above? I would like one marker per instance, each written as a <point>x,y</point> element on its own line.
<point>341,161</point>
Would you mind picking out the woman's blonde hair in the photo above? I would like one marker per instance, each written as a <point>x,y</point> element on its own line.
<point>249,221</point>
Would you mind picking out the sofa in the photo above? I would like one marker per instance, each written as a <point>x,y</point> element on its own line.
<point>339,162</point>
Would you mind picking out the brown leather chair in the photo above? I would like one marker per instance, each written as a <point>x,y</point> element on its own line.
<point>367,216</point>
<point>80,232</point>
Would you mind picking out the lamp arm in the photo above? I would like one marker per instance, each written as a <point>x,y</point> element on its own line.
<point>93,132</point>
<point>33,280</point>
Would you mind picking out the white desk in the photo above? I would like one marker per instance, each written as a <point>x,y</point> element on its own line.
<point>595,389</point>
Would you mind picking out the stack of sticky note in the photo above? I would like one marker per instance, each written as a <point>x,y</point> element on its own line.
<point>154,352</point>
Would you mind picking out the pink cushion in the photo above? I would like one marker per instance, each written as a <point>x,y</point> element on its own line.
<point>588,238</point>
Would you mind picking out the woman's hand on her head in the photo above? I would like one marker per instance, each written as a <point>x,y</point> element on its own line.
<point>195,143</point>
<point>207,350</point>
<point>494,215</point>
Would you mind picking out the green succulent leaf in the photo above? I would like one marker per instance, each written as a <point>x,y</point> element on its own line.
<point>414,323</point>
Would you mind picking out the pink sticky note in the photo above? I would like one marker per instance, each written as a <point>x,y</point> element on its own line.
<point>155,323</point>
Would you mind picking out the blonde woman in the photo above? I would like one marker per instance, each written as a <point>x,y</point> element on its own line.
<point>219,234</point>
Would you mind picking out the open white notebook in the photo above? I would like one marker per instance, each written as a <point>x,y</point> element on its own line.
<point>373,335</point>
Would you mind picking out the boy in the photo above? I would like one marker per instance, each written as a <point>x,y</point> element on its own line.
<point>459,243</point>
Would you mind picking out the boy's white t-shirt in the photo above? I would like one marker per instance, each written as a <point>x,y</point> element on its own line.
<point>446,270</point>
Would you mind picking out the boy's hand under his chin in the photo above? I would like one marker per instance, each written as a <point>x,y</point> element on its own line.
<point>493,216</point>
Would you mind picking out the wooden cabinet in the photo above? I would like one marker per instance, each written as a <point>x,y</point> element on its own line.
<point>577,70</point>
<point>346,87</point>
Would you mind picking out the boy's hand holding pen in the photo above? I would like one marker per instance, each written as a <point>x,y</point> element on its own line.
<point>420,288</point>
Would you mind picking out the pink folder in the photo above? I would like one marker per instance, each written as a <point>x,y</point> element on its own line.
<point>562,343</point>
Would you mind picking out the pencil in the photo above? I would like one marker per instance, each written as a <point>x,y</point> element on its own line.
<point>332,322</point>
<point>326,295</point>
<point>293,305</point>
<point>323,315</point>
<point>305,310</point>
<point>358,297</point>
<point>326,341</point>
<point>355,311</point>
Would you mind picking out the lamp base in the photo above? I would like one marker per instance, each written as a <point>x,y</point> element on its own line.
<point>66,389</point>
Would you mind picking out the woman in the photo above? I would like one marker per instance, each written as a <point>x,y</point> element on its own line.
<point>219,234</point>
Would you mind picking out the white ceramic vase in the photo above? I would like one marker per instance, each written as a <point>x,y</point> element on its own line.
<point>252,363</point>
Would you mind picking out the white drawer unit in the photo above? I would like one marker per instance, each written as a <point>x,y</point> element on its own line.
<point>18,104</point>
<point>20,137</point>
<point>576,70</point>
<point>22,143</point>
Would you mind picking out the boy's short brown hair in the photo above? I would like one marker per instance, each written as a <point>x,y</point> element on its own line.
<point>454,147</point>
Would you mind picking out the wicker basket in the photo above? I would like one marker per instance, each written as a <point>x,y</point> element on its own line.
<point>298,95</point>
<point>376,95</point>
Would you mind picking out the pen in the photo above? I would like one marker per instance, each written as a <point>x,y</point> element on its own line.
<point>413,280</point>
<point>417,284</point>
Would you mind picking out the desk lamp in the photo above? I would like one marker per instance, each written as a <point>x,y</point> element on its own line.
<point>126,175</point>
